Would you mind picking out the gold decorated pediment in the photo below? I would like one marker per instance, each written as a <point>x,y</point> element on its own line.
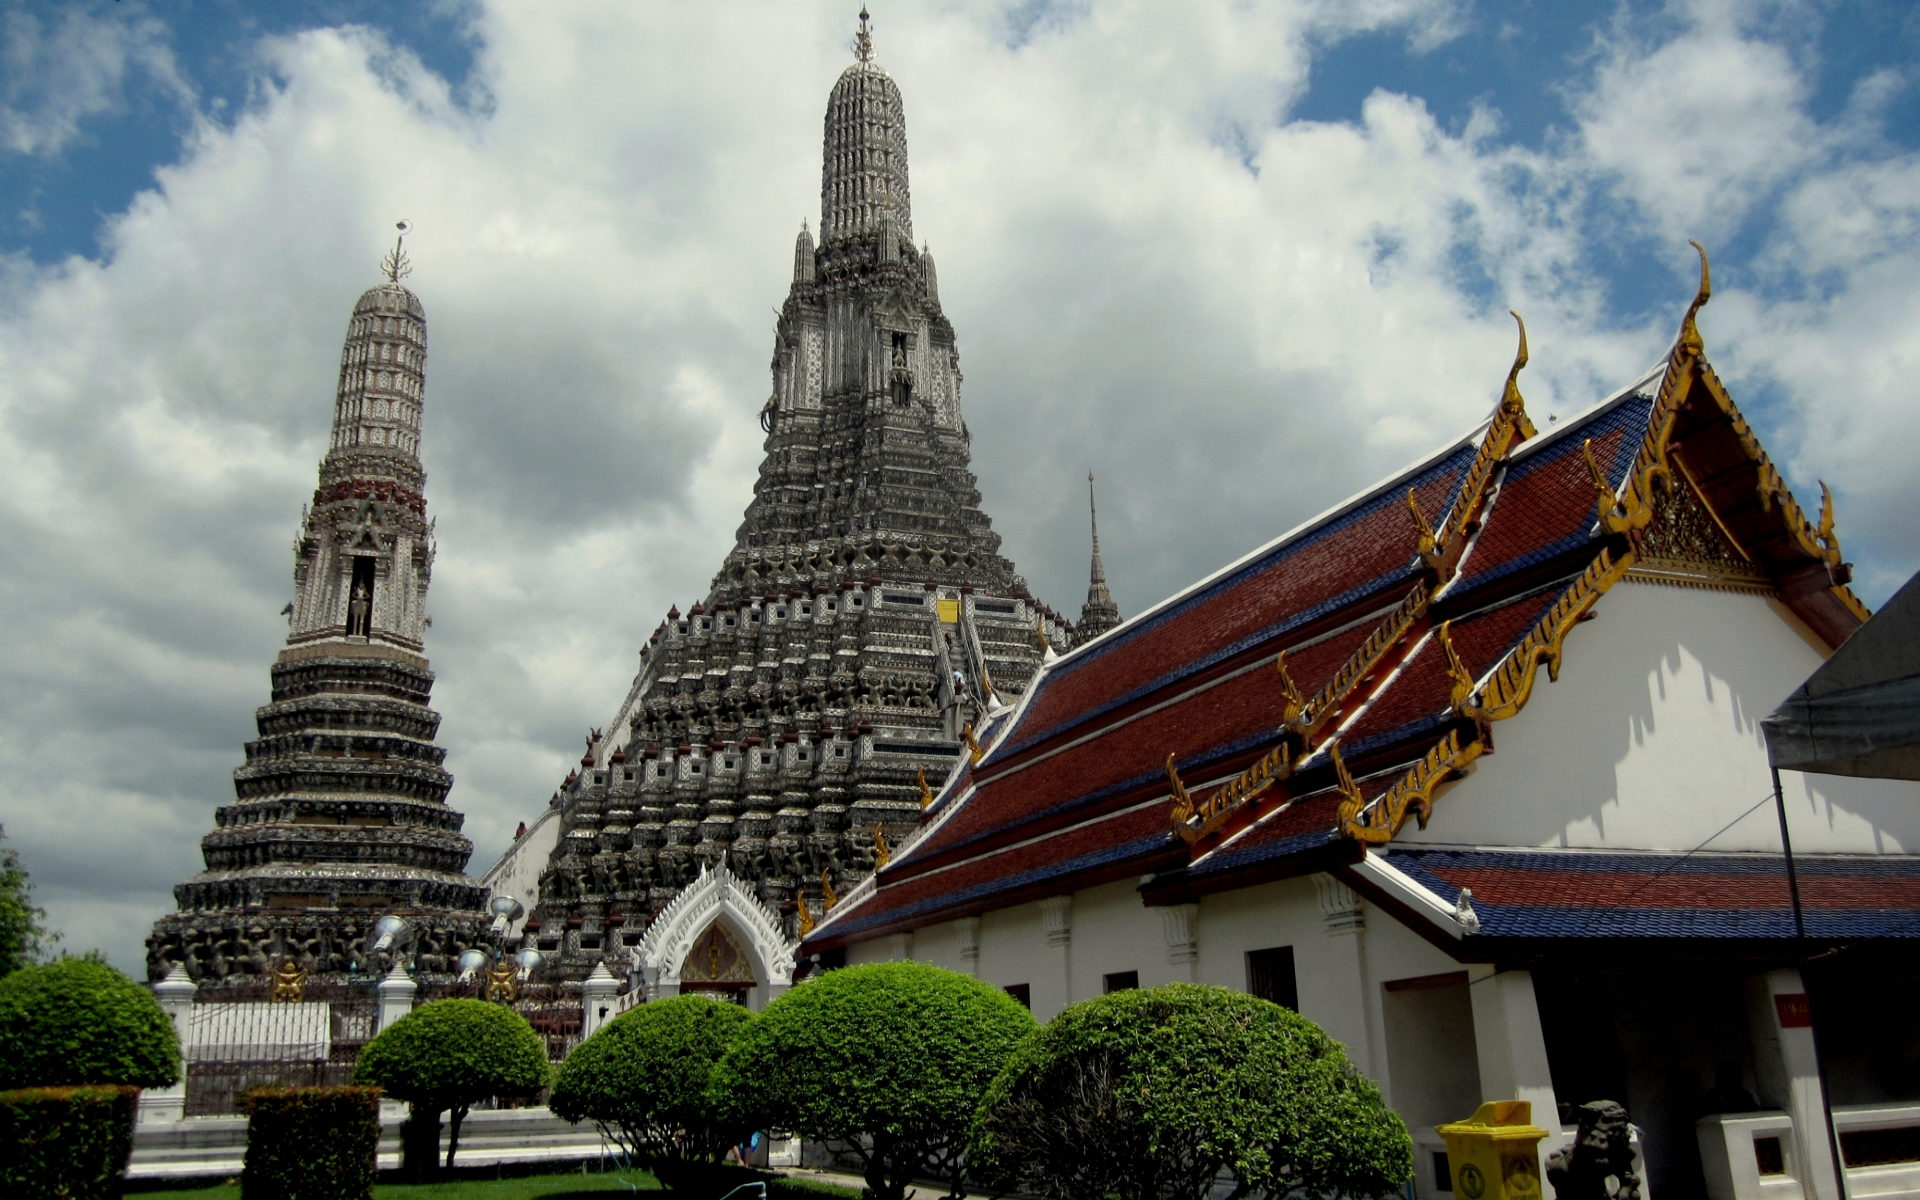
<point>1685,544</point>
<point>715,958</point>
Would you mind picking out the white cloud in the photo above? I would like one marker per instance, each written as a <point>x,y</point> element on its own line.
<point>1232,318</point>
<point>61,70</point>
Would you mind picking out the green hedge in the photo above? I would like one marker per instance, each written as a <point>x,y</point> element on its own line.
<point>76,1022</point>
<point>70,1143</point>
<point>314,1143</point>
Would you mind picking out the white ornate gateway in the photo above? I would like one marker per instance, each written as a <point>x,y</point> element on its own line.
<point>721,904</point>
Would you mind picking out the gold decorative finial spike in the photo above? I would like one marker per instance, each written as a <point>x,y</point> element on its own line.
<point>926,793</point>
<point>882,853</point>
<point>1294,703</point>
<point>395,264</point>
<point>1181,813</point>
<point>806,915</point>
<point>1511,401</point>
<point>1352,803</point>
<point>827,895</point>
<point>1457,673</point>
<point>1428,542</point>
<point>1689,331</point>
<point>863,41</point>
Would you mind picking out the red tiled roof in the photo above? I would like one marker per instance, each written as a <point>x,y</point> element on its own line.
<point>1359,552</point>
<point>1424,689</point>
<point>1074,793</point>
<point>1239,711</point>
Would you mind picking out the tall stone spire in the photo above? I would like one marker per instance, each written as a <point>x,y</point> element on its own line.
<point>1099,613</point>
<point>863,619</point>
<point>863,173</point>
<point>341,812</point>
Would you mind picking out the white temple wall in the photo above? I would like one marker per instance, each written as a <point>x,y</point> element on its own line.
<point>1403,1008</point>
<point>1651,740</point>
<point>517,872</point>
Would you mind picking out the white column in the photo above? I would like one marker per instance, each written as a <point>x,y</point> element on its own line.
<point>1056,921</point>
<point>596,999</point>
<point>1343,919</point>
<point>1513,1051</point>
<point>1181,925</point>
<point>967,931</point>
<point>175,994</point>
<point>1789,1073</point>
<point>396,995</point>
<point>900,946</point>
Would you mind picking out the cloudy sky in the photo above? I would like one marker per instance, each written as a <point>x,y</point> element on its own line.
<point>1240,259</point>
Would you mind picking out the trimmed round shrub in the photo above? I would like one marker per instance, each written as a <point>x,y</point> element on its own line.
<point>450,1055</point>
<point>76,1021</point>
<point>887,1060</point>
<point>67,1142</point>
<point>1156,1093</point>
<point>643,1079</point>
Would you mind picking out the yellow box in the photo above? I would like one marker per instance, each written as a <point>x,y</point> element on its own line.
<point>949,611</point>
<point>1495,1153</point>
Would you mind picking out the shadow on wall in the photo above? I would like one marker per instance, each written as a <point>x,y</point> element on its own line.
<point>1660,698</point>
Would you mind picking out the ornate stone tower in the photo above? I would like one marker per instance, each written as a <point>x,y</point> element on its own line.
<point>341,812</point>
<point>862,622</point>
<point>1099,613</point>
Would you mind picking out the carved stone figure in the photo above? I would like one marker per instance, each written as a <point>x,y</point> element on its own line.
<point>1598,1165</point>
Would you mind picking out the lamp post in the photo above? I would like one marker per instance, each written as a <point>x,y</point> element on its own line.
<point>504,972</point>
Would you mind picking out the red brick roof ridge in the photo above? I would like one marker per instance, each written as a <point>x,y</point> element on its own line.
<point>904,867</point>
<point>1106,641</point>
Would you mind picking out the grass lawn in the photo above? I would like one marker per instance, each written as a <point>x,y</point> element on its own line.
<point>530,1187</point>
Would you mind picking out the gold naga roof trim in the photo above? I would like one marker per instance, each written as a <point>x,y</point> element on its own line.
<point>1657,481</point>
<point>1396,636</point>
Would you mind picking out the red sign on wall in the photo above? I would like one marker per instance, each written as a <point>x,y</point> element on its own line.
<point>1794,1009</point>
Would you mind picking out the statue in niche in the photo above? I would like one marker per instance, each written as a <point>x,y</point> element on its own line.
<point>1598,1165</point>
<point>359,611</point>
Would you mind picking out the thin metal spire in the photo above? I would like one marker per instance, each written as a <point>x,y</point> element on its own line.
<point>1100,613</point>
<point>1093,512</point>
<point>395,264</point>
<point>863,41</point>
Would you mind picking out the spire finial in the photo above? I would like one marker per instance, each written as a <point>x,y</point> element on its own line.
<point>1093,514</point>
<point>863,41</point>
<point>395,264</point>
<point>1099,614</point>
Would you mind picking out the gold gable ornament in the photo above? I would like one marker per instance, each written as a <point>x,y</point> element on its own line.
<point>882,853</point>
<point>826,889</point>
<point>926,793</point>
<point>806,915</point>
<point>973,746</point>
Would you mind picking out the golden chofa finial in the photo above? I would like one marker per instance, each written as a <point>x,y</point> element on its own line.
<point>395,264</point>
<point>1690,332</point>
<point>1511,401</point>
<point>863,41</point>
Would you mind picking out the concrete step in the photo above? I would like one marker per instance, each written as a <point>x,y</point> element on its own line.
<point>204,1146</point>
